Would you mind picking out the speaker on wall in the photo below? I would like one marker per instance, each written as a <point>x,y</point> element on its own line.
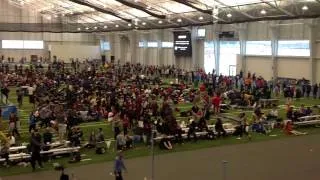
<point>103,59</point>
<point>112,58</point>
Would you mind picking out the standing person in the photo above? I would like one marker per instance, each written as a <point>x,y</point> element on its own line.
<point>20,94</point>
<point>5,91</point>
<point>216,101</point>
<point>315,90</point>
<point>33,120</point>
<point>119,166</point>
<point>31,90</point>
<point>35,145</point>
<point>14,124</point>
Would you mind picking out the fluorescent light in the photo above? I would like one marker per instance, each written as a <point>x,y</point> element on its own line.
<point>87,28</point>
<point>129,24</point>
<point>117,25</point>
<point>79,29</point>
<point>305,8</point>
<point>200,18</point>
<point>229,15</point>
<point>179,20</point>
<point>144,23</point>
<point>95,27</point>
<point>263,11</point>
<point>105,27</point>
<point>160,22</point>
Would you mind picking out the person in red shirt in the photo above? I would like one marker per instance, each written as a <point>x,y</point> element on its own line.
<point>202,87</point>
<point>216,101</point>
<point>288,129</point>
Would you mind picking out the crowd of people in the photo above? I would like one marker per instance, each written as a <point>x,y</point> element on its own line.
<point>137,101</point>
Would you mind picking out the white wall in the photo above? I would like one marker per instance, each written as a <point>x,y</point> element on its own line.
<point>292,67</point>
<point>67,51</point>
<point>260,65</point>
<point>67,41</point>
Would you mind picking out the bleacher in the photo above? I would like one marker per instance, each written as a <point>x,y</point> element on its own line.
<point>308,120</point>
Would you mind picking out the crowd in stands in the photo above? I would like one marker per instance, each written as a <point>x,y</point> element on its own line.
<point>138,103</point>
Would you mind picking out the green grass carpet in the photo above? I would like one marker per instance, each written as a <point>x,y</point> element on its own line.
<point>140,149</point>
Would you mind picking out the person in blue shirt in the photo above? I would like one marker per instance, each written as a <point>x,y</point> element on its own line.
<point>119,166</point>
<point>32,121</point>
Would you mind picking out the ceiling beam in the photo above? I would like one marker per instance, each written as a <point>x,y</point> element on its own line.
<point>235,9</point>
<point>103,10</point>
<point>136,6</point>
<point>278,8</point>
<point>184,2</point>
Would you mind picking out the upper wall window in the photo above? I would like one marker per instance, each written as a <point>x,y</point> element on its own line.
<point>20,44</point>
<point>167,44</point>
<point>258,48</point>
<point>141,44</point>
<point>105,46</point>
<point>152,44</point>
<point>294,48</point>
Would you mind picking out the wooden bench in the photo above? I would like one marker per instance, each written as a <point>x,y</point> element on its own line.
<point>17,149</point>
<point>17,157</point>
<point>308,120</point>
<point>60,151</point>
<point>268,102</point>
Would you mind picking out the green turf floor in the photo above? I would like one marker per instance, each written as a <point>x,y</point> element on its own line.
<point>142,150</point>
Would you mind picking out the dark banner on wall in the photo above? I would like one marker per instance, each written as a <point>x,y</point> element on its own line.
<point>182,43</point>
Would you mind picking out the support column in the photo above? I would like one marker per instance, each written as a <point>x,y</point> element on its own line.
<point>275,32</point>
<point>313,50</point>
<point>243,36</point>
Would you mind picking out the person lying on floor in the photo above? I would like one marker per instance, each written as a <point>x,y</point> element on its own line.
<point>288,129</point>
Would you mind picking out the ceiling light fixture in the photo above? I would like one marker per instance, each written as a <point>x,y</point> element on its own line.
<point>148,7</point>
<point>160,22</point>
<point>200,18</point>
<point>55,16</point>
<point>87,28</point>
<point>229,15</point>
<point>129,25</point>
<point>79,29</point>
<point>49,17</point>
<point>105,27</point>
<point>305,8</point>
<point>117,25</point>
<point>144,23</point>
<point>263,11</point>
<point>95,27</point>
<point>179,20</point>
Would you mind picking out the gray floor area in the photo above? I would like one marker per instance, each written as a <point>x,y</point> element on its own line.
<point>284,159</point>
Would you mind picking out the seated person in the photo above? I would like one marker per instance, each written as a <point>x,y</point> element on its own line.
<point>100,136</point>
<point>308,111</point>
<point>165,143</point>
<point>288,129</point>
<point>219,128</point>
<point>75,137</point>
<point>129,141</point>
<point>192,130</point>
<point>11,140</point>
<point>290,113</point>
<point>273,114</point>
<point>121,141</point>
<point>47,136</point>
<point>92,140</point>
<point>4,152</point>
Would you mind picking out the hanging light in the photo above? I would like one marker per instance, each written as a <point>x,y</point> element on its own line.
<point>105,27</point>
<point>79,29</point>
<point>129,24</point>
<point>117,25</point>
<point>263,11</point>
<point>200,18</point>
<point>179,20</point>
<point>229,15</point>
<point>144,23</point>
<point>305,8</point>
<point>95,27</point>
<point>160,22</point>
